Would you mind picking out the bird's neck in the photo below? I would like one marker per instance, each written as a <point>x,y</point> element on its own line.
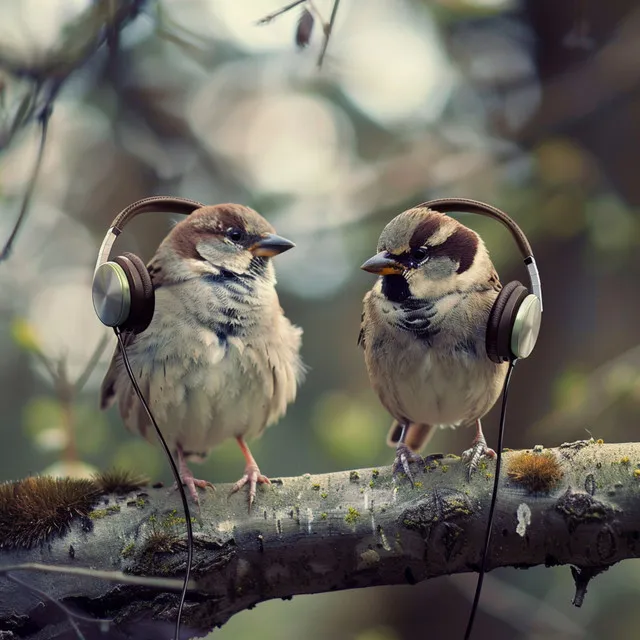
<point>230,303</point>
<point>395,288</point>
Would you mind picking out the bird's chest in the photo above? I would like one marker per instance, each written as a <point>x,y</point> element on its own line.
<point>440,381</point>
<point>206,381</point>
<point>226,367</point>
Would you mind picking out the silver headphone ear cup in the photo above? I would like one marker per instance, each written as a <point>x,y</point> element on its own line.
<point>111,294</point>
<point>526,327</point>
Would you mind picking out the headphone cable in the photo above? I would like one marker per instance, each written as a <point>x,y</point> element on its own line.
<point>176,475</point>
<point>494,495</point>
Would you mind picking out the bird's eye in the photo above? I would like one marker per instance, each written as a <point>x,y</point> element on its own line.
<point>234,234</point>
<point>419,254</point>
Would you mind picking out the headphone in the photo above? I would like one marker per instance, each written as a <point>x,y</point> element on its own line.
<point>122,291</point>
<point>516,315</point>
<point>123,298</point>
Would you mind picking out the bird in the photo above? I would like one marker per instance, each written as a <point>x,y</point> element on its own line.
<point>219,359</point>
<point>423,331</point>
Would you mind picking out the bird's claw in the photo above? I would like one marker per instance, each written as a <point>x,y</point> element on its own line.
<point>191,483</point>
<point>473,455</point>
<point>252,477</point>
<point>404,458</point>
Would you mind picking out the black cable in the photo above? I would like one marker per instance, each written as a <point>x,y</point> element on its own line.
<point>494,495</point>
<point>176,474</point>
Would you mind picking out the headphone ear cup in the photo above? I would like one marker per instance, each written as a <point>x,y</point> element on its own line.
<point>141,292</point>
<point>501,321</point>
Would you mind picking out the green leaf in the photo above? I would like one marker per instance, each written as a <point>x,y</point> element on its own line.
<point>24,335</point>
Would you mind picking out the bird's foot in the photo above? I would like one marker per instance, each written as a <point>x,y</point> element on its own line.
<point>252,477</point>
<point>404,458</point>
<point>191,483</point>
<point>477,451</point>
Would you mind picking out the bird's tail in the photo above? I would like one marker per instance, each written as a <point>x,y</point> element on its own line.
<point>417,435</point>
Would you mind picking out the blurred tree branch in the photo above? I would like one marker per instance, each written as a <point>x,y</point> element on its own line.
<point>26,198</point>
<point>329,532</point>
<point>100,24</point>
<point>82,39</point>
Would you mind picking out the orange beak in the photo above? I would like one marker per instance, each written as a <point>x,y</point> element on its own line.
<point>382,264</point>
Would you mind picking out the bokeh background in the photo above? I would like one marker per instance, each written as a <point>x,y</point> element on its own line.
<point>531,105</point>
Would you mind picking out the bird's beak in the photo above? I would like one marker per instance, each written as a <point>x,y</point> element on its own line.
<point>382,264</point>
<point>271,245</point>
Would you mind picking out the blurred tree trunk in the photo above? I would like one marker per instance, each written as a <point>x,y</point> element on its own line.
<point>586,56</point>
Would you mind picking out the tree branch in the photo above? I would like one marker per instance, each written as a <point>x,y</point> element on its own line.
<point>328,532</point>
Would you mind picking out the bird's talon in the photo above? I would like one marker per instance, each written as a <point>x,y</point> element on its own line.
<point>191,483</point>
<point>404,458</point>
<point>252,477</point>
<point>473,455</point>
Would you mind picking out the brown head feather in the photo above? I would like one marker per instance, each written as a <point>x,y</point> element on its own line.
<point>215,220</point>
<point>410,229</point>
<point>461,247</point>
<point>442,235</point>
<point>425,228</point>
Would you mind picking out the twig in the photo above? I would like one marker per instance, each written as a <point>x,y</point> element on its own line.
<point>26,199</point>
<point>91,364</point>
<point>328,30</point>
<point>70,614</point>
<point>582,576</point>
<point>167,584</point>
<point>279,12</point>
<point>47,363</point>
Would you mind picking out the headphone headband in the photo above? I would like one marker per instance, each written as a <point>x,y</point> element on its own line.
<point>467,205</point>
<point>158,204</point>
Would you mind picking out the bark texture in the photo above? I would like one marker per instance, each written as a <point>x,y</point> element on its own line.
<point>320,533</point>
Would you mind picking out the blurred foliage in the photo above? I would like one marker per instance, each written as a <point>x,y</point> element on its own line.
<point>528,104</point>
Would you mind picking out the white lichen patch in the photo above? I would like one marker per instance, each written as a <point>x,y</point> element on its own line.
<point>368,559</point>
<point>385,542</point>
<point>524,518</point>
<point>226,526</point>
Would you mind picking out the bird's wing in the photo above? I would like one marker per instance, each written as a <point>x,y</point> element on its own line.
<point>107,389</point>
<point>361,342</point>
<point>361,334</point>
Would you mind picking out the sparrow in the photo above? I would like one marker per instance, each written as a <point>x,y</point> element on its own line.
<point>219,359</point>
<point>423,332</point>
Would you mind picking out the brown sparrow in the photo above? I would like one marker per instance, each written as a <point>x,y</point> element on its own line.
<point>219,359</point>
<point>423,331</point>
